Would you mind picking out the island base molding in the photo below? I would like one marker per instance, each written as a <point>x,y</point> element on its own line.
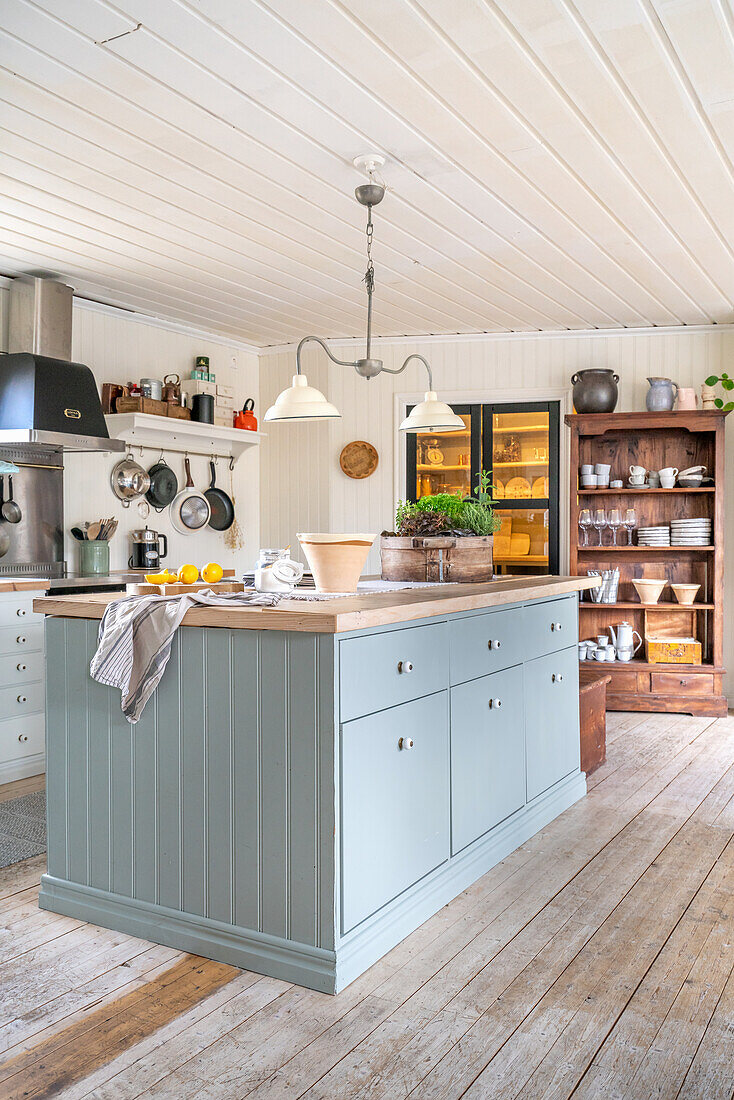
<point>316,968</point>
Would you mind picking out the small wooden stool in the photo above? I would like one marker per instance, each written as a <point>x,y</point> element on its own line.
<point>593,718</point>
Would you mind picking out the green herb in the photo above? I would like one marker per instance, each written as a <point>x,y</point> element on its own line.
<point>727,383</point>
<point>474,516</point>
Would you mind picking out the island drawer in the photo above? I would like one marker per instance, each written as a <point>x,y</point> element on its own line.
<point>549,626</point>
<point>487,754</point>
<point>394,803</point>
<point>481,644</point>
<point>22,668</point>
<point>22,736</point>
<point>23,638</point>
<point>383,670</point>
<point>21,700</point>
<point>17,609</point>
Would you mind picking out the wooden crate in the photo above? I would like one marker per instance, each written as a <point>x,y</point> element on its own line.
<point>178,412</point>
<point>141,405</point>
<point>437,559</point>
<point>673,651</point>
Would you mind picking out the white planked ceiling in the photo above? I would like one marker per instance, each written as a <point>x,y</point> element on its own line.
<point>552,164</point>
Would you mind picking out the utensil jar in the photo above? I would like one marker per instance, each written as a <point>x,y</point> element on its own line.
<point>94,558</point>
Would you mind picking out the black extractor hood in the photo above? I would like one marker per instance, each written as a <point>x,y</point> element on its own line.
<point>44,398</point>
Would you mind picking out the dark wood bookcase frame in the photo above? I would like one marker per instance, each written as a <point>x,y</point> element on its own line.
<point>655,440</point>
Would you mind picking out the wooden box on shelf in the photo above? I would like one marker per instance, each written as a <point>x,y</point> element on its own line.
<point>654,441</point>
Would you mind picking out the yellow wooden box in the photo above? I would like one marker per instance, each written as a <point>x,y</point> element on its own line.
<point>673,651</point>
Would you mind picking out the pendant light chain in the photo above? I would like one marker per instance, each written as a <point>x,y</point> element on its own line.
<point>369,278</point>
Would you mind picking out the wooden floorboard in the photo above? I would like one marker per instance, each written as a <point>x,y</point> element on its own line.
<point>595,961</point>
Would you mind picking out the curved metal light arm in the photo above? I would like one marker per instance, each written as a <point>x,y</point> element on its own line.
<point>325,346</point>
<point>425,363</point>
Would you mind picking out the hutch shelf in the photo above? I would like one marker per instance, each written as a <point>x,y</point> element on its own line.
<point>655,440</point>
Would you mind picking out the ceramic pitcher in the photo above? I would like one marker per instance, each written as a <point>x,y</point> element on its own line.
<point>624,637</point>
<point>686,399</point>
<point>661,395</point>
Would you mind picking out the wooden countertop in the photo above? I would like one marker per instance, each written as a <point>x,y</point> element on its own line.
<point>345,612</point>
<point>17,584</point>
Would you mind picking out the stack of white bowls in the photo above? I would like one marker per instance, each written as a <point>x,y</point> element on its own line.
<point>653,536</point>
<point>690,532</point>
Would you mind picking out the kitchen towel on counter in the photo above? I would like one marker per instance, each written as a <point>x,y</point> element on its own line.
<point>136,634</point>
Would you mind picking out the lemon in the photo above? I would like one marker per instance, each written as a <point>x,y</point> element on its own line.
<point>161,578</point>
<point>188,574</point>
<point>212,572</point>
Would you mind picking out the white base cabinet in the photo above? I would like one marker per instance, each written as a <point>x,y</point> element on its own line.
<point>22,688</point>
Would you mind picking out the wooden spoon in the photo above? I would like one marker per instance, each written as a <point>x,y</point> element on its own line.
<point>93,530</point>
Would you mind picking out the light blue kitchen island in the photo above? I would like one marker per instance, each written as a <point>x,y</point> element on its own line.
<point>310,782</point>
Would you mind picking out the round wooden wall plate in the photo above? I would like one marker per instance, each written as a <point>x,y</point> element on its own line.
<point>359,459</point>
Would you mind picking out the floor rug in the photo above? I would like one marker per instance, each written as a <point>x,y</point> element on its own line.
<point>22,828</point>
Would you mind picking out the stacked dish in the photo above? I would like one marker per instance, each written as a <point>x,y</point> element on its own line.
<point>690,532</point>
<point>653,536</point>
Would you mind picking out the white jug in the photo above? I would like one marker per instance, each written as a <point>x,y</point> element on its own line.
<point>624,638</point>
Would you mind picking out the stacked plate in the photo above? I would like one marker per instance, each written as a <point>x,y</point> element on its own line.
<point>690,532</point>
<point>653,536</point>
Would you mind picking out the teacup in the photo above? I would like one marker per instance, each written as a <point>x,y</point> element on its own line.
<point>625,653</point>
<point>653,479</point>
<point>601,639</point>
<point>600,653</point>
<point>589,481</point>
<point>611,652</point>
<point>616,484</point>
<point>638,471</point>
<point>668,471</point>
<point>602,469</point>
<point>637,479</point>
<point>667,481</point>
<point>583,649</point>
<point>587,468</point>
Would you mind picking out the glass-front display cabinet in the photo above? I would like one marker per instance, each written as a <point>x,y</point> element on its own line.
<point>519,444</point>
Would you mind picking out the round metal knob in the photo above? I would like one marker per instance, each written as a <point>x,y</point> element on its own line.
<point>21,611</point>
<point>496,644</point>
<point>21,667</point>
<point>495,703</point>
<point>406,743</point>
<point>556,626</point>
<point>22,737</point>
<point>22,699</point>
<point>21,640</point>
<point>557,677</point>
<point>405,666</point>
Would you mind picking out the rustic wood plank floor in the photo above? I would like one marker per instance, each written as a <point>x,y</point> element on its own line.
<point>595,962</point>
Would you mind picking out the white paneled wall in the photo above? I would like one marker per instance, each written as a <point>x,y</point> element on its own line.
<point>120,349</point>
<point>304,488</point>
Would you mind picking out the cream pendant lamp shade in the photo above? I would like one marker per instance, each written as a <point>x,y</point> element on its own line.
<point>302,402</point>
<point>432,415</point>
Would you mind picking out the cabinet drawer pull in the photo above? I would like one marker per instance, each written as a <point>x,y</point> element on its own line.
<point>21,667</point>
<point>22,737</point>
<point>556,626</point>
<point>406,743</point>
<point>405,666</point>
<point>495,703</point>
<point>496,644</point>
<point>21,640</point>
<point>22,699</point>
<point>21,611</point>
<point>557,677</point>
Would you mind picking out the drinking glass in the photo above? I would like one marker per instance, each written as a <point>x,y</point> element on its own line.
<point>585,524</point>
<point>599,521</point>
<point>614,520</point>
<point>630,522</point>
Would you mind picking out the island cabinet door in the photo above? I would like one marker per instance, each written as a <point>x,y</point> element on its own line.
<point>487,754</point>
<point>394,803</point>
<point>551,719</point>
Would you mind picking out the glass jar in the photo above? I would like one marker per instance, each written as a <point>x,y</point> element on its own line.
<point>263,579</point>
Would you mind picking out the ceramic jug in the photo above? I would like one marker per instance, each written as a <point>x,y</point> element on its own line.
<point>595,390</point>
<point>661,395</point>
<point>686,399</point>
<point>624,637</point>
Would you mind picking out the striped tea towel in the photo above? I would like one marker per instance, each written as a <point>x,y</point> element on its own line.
<point>136,634</point>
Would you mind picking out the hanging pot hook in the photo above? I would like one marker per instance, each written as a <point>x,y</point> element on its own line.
<point>231,463</point>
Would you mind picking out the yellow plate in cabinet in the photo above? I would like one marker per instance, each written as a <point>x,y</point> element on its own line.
<point>498,490</point>
<point>540,488</point>
<point>517,487</point>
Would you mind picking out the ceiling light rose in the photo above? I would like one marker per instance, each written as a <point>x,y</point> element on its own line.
<point>303,402</point>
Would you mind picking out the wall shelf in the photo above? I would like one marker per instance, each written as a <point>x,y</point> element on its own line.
<point>180,436</point>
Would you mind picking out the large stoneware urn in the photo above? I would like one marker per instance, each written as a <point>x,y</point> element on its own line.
<point>595,391</point>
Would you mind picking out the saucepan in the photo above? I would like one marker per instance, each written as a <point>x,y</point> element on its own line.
<point>129,480</point>
<point>190,510</point>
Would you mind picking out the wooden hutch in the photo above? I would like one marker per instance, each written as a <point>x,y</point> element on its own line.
<point>655,440</point>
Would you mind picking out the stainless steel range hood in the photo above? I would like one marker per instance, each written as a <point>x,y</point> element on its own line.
<point>45,399</point>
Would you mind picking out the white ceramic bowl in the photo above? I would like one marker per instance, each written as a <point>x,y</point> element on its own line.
<point>649,590</point>
<point>685,593</point>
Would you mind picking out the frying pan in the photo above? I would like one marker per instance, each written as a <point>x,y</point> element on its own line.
<point>163,485</point>
<point>220,503</point>
<point>190,509</point>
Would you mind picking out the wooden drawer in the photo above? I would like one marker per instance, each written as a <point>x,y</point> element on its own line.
<point>551,719</point>
<point>487,754</point>
<point>481,644</point>
<point>394,803</point>
<point>24,638</point>
<point>22,700</point>
<point>682,683</point>
<point>623,679</point>
<point>17,608</point>
<point>21,737</point>
<point>382,670</point>
<point>549,626</point>
<point>22,668</point>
